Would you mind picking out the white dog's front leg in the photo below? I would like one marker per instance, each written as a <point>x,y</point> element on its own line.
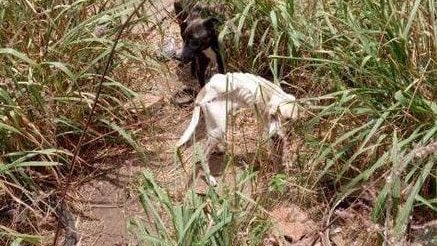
<point>276,139</point>
<point>210,146</point>
<point>275,128</point>
<point>211,180</point>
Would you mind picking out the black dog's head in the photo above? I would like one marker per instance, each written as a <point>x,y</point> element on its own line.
<point>198,36</point>
<point>197,33</point>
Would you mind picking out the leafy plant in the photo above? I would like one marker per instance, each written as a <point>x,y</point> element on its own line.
<point>278,183</point>
<point>51,57</point>
<point>370,68</point>
<point>197,221</point>
<point>212,218</point>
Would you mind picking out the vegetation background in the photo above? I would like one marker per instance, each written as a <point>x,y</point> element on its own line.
<point>365,73</point>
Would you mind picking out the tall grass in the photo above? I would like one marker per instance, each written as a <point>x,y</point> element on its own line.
<point>370,69</point>
<point>52,55</point>
<point>220,216</point>
<point>377,62</point>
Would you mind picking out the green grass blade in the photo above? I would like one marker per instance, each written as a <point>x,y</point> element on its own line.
<point>404,213</point>
<point>17,54</point>
<point>127,136</point>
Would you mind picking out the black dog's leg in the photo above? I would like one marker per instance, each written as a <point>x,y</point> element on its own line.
<point>219,58</point>
<point>215,47</point>
<point>193,67</point>
<point>181,15</point>
<point>221,67</point>
<point>201,65</point>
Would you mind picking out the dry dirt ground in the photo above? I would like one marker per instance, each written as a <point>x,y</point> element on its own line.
<point>108,203</point>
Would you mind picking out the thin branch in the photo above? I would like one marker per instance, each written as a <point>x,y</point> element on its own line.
<point>90,117</point>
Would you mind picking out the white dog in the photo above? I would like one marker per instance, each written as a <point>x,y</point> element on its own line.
<point>226,93</point>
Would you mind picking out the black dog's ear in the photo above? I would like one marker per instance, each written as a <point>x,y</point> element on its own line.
<point>181,14</point>
<point>211,23</point>
<point>178,7</point>
<point>197,10</point>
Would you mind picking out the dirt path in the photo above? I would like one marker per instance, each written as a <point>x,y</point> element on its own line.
<point>107,203</point>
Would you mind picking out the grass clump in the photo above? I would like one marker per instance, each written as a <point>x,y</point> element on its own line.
<point>371,68</point>
<point>52,55</point>
<point>210,218</point>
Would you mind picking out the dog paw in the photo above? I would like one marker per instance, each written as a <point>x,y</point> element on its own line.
<point>212,181</point>
<point>219,150</point>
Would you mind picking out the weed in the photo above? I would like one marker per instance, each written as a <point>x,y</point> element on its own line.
<point>51,56</point>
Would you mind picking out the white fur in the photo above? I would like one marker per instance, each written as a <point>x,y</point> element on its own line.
<point>226,93</point>
<point>191,128</point>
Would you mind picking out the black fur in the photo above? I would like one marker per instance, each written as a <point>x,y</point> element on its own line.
<point>198,34</point>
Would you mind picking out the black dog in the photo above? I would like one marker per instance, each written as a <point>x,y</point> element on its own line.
<point>201,45</point>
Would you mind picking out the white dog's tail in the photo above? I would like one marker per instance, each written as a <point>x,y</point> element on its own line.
<point>191,127</point>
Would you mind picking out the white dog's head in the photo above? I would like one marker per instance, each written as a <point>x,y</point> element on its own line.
<point>285,106</point>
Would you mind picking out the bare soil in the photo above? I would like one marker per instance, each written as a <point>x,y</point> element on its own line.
<point>104,206</point>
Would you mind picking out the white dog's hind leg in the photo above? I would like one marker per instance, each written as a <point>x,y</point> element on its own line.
<point>215,118</point>
<point>214,138</point>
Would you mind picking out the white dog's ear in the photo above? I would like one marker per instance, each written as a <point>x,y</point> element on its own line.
<point>289,111</point>
<point>285,108</point>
